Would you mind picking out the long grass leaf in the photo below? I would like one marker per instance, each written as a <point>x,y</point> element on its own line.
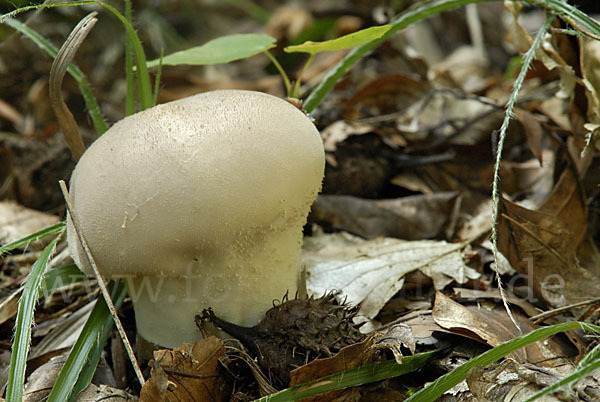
<point>575,376</point>
<point>351,378</point>
<point>129,74</point>
<point>40,234</point>
<point>60,277</point>
<point>81,364</point>
<point>437,388</point>
<point>23,323</point>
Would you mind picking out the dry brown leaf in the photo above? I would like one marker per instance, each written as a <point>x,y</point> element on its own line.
<point>509,381</point>
<point>188,373</point>
<point>104,393</point>
<point>354,356</point>
<point>40,382</point>
<point>489,323</point>
<point>567,203</point>
<point>17,221</point>
<point>348,358</point>
<point>533,131</point>
<point>541,246</point>
<point>411,218</point>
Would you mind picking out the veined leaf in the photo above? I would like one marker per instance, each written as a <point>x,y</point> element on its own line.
<point>221,50</point>
<point>344,42</point>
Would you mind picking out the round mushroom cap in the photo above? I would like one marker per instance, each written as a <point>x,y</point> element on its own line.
<point>186,180</point>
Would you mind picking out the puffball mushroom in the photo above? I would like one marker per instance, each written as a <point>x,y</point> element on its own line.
<point>199,203</point>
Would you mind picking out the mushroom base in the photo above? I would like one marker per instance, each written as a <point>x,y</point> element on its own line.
<point>239,288</point>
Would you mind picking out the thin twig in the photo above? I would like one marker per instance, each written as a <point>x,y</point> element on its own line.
<point>502,137</point>
<point>101,283</point>
<point>63,59</point>
<point>536,319</point>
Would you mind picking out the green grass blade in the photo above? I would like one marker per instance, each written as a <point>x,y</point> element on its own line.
<point>158,75</point>
<point>221,50</point>
<point>129,74</point>
<point>59,277</point>
<point>23,323</point>
<point>84,86</point>
<point>565,382</point>
<point>40,234</point>
<point>344,42</point>
<point>351,378</point>
<point>437,388</point>
<point>81,364</point>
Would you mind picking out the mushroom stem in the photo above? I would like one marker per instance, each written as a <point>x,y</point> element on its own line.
<point>239,285</point>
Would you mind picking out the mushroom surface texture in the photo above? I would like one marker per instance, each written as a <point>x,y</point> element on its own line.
<point>199,203</point>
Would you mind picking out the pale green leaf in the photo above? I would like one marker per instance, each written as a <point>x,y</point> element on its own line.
<point>221,50</point>
<point>344,42</point>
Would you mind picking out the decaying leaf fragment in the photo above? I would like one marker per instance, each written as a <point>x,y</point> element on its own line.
<point>541,246</point>
<point>188,373</point>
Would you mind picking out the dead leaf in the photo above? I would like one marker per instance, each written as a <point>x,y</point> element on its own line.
<point>188,373</point>
<point>489,323</point>
<point>410,218</point>
<point>17,221</point>
<point>533,131</point>
<point>104,393</point>
<point>509,381</point>
<point>353,356</point>
<point>567,203</point>
<point>541,246</point>
<point>40,382</point>
<point>339,131</point>
<point>370,272</point>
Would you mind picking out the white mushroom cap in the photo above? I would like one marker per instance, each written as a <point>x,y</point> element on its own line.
<point>199,203</point>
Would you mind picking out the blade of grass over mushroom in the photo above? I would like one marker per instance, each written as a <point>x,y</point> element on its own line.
<point>437,388</point>
<point>84,87</point>
<point>351,378</point>
<point>562,8</point>
<point>145,89</point>
<point>344,42</point>
<point>221,50</point>
<point>40,234</point>
<point>23,323</point>
<point>83,359</point>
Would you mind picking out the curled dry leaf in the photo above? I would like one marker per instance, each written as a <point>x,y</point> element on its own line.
<point>542,246</point>
<point>353,356</point>
<point>188,373</point>
<point>489,323</point>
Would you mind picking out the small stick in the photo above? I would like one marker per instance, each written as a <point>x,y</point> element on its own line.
<point>536,319</point>
<point>105,293</point>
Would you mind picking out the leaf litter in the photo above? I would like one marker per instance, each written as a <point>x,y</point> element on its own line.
<point>402,228</point>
